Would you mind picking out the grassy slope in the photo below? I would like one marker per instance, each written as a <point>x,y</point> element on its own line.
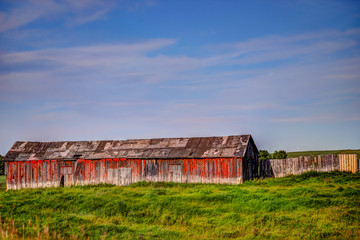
<point>308,153</point>
<point>316,205</point>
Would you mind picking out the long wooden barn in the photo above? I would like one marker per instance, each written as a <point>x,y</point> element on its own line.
<point>228,159</point>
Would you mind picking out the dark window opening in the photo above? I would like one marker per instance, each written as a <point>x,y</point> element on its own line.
<point>62,181</point>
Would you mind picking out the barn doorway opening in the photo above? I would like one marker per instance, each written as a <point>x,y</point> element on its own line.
<point>175,172</point>
<point>62,181</point>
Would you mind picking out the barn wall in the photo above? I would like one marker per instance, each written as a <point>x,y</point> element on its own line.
<point>250,164</point>
<point>127,171</point>
<point>53,173</point>
<point>35,174</point>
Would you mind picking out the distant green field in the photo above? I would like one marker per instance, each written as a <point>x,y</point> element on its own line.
<point>308,153</point>
<point>309,206</point>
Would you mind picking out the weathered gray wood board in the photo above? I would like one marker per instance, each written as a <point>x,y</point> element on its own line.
<point>348,163</point>
<point>295,166</point>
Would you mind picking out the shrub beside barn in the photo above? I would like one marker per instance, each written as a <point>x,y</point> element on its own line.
<point>228,159</point>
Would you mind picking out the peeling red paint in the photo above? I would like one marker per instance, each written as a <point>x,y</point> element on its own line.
<point>43,173</point>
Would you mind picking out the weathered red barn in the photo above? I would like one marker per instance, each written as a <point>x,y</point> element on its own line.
<point>230,159</point>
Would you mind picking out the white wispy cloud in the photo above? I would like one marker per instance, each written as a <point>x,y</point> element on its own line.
<point>273,48</point>
<point>318,118</point>
<point>130,63</point>
<point>123,88</point>
<point>81,11</point>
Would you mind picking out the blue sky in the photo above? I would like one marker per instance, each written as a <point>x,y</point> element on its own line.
<point>287,72</point>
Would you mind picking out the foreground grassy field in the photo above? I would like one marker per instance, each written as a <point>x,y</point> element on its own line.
<point>312,205</point>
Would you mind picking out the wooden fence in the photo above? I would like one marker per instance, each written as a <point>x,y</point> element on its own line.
<point>321,163</point>
<point>348,163</point>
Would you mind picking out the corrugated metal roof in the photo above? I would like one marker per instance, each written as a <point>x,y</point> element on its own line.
<point>159,148</point>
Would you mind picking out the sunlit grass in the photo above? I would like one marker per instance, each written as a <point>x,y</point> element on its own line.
<point>312,205</point>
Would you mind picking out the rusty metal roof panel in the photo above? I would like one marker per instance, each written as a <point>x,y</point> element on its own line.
<point>99,155</point>
<point>178,142</point>
<point>117,145</point>
<point>228,152</point>
<point>234,141</point>
<point>122,153</point>
<point>88,146</point>
<point>53,155</point>
<point>212,153</point>
<point>195,147</point>
<point>179,152</point>
<point>159,153</point>
<point>134,144</point>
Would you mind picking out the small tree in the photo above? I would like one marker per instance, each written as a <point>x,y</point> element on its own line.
<point>264,154</point>
<point>279,154</point>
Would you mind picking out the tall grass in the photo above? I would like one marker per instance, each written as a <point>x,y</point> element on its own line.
<point>312,205</point>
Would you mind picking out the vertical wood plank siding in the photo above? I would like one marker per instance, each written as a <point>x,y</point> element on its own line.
<point>348,162</point>
<point>295,166</point>
<point>49,173</point>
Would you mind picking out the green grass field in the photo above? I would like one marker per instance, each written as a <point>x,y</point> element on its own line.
<point>312,205</point>
<point>314,153</point>
<point>2,182</point>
